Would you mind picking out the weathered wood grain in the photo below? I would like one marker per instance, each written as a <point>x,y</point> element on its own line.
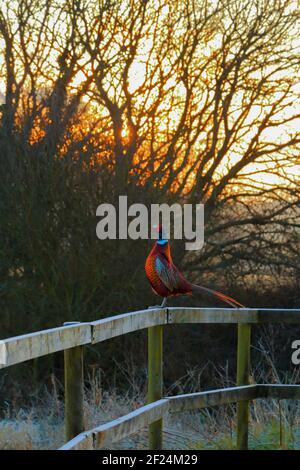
<point>25,347</point>
<point>130,423</point>
<point>119,428</point>
<point>126,323</point>
<point>217,397</point>
<point>229,315</point>
<point>208,315</point>
<point>84,441</point>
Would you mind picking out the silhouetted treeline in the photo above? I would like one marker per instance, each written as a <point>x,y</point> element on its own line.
<point>165,102</point>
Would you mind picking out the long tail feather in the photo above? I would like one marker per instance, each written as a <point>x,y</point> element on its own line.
<point>219,295</point>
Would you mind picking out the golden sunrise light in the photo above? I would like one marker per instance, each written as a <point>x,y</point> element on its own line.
<point>149,180</point>
<point>137,81</point>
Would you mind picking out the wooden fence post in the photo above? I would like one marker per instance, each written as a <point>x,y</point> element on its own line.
<point>243,371</point>
<point>73,371</point>
<point>155,381</point>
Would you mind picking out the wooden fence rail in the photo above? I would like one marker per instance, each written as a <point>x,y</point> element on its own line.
<point>131,423</point>
<point>71,339</point>
<point>30,346</point>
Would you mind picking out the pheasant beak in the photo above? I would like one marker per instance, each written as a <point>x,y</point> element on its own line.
<point>162,240</point>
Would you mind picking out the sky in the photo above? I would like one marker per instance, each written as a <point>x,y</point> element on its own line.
<point>137,75</point>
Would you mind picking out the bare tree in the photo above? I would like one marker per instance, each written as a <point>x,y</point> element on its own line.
<point>41,58</point>
<point>164,100</point>
<point>211,117</point>
<point>195,99</point>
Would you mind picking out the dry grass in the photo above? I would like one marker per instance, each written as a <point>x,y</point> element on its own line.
<point>273,423</point>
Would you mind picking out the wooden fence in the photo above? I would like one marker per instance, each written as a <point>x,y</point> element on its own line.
<point>72,337</point>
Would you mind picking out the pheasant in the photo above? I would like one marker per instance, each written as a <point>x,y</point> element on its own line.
<point>167,281</point>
